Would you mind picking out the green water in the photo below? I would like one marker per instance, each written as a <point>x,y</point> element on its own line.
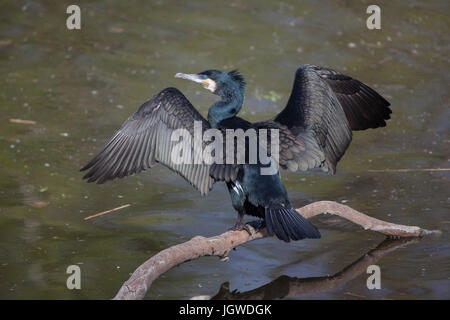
<point>79,86</point>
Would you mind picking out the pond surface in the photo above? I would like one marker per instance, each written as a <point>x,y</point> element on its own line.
<point>79,86</point>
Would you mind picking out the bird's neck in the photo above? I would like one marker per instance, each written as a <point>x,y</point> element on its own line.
<point>227,107</point>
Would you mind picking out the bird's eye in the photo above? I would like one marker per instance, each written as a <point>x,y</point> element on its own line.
<point>204,77</point>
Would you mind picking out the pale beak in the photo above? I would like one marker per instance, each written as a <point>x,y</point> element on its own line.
<point>206,83</point>
<point>193,77</point>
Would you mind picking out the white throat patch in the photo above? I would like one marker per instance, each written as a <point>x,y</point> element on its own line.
<point>210,85</point>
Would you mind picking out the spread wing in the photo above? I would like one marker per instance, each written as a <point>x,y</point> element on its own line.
<point>323,109</point>
<point>145,139</point>
<point>363,107</point>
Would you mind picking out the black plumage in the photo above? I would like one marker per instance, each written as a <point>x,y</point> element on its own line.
<point>144,139</point>
<point>315,129</point>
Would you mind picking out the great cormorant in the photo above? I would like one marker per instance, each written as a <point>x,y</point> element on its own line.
<point>315,129</point>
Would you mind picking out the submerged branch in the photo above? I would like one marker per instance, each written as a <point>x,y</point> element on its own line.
<point>140,281</point>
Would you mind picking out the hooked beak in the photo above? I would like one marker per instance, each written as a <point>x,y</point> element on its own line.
<point>206,83</point>
<point>193,77</point>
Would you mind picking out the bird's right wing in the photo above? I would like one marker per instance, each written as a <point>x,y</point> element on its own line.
<point>145,138</point>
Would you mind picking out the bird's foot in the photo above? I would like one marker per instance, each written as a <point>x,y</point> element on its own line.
<point>240,226</point>
<point>257,224</point>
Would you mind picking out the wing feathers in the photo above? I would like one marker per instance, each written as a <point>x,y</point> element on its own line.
<point>144,139</point>
<point>323,109</point>
<point>363,106</point>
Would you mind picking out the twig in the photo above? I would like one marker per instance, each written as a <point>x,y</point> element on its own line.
<point>107,211</point>
<point>411,169</point>
<point>22,121</point>
<point>136,287</point>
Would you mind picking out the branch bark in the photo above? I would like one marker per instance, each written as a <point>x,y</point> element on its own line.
<point>135,288</point>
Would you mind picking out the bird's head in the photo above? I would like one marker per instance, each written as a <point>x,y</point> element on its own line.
<point>218,82</point>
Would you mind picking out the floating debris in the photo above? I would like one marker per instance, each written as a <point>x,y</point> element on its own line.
<point>20,121</point>
<point>411,169</point>
<point>38,204</point>
<point>273,96</point>
<point>107,211</point>
<point>116,30</point>
<point>5,43</point>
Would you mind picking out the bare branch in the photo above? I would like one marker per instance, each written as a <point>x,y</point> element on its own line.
<point>140,281</point>
<point>368,223</point>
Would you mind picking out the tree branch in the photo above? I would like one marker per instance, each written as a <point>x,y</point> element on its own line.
<point>136,287</point>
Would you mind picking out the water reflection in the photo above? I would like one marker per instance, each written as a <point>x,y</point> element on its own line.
<point>290,287</point>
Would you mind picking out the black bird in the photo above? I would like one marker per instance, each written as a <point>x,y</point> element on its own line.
<point>315,129</point>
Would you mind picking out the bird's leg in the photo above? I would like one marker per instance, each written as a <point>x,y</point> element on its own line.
<point>240,224</point>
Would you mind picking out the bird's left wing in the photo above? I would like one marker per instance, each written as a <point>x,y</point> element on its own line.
<point>363,106</point>
<point>315,127</point>
<point>145,139</point>
<point>298,149</point>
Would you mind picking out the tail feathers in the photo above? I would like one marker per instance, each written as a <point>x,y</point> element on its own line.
<point>287,224</point>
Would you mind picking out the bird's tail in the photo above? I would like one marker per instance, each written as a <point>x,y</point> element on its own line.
<point>286,224</point>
